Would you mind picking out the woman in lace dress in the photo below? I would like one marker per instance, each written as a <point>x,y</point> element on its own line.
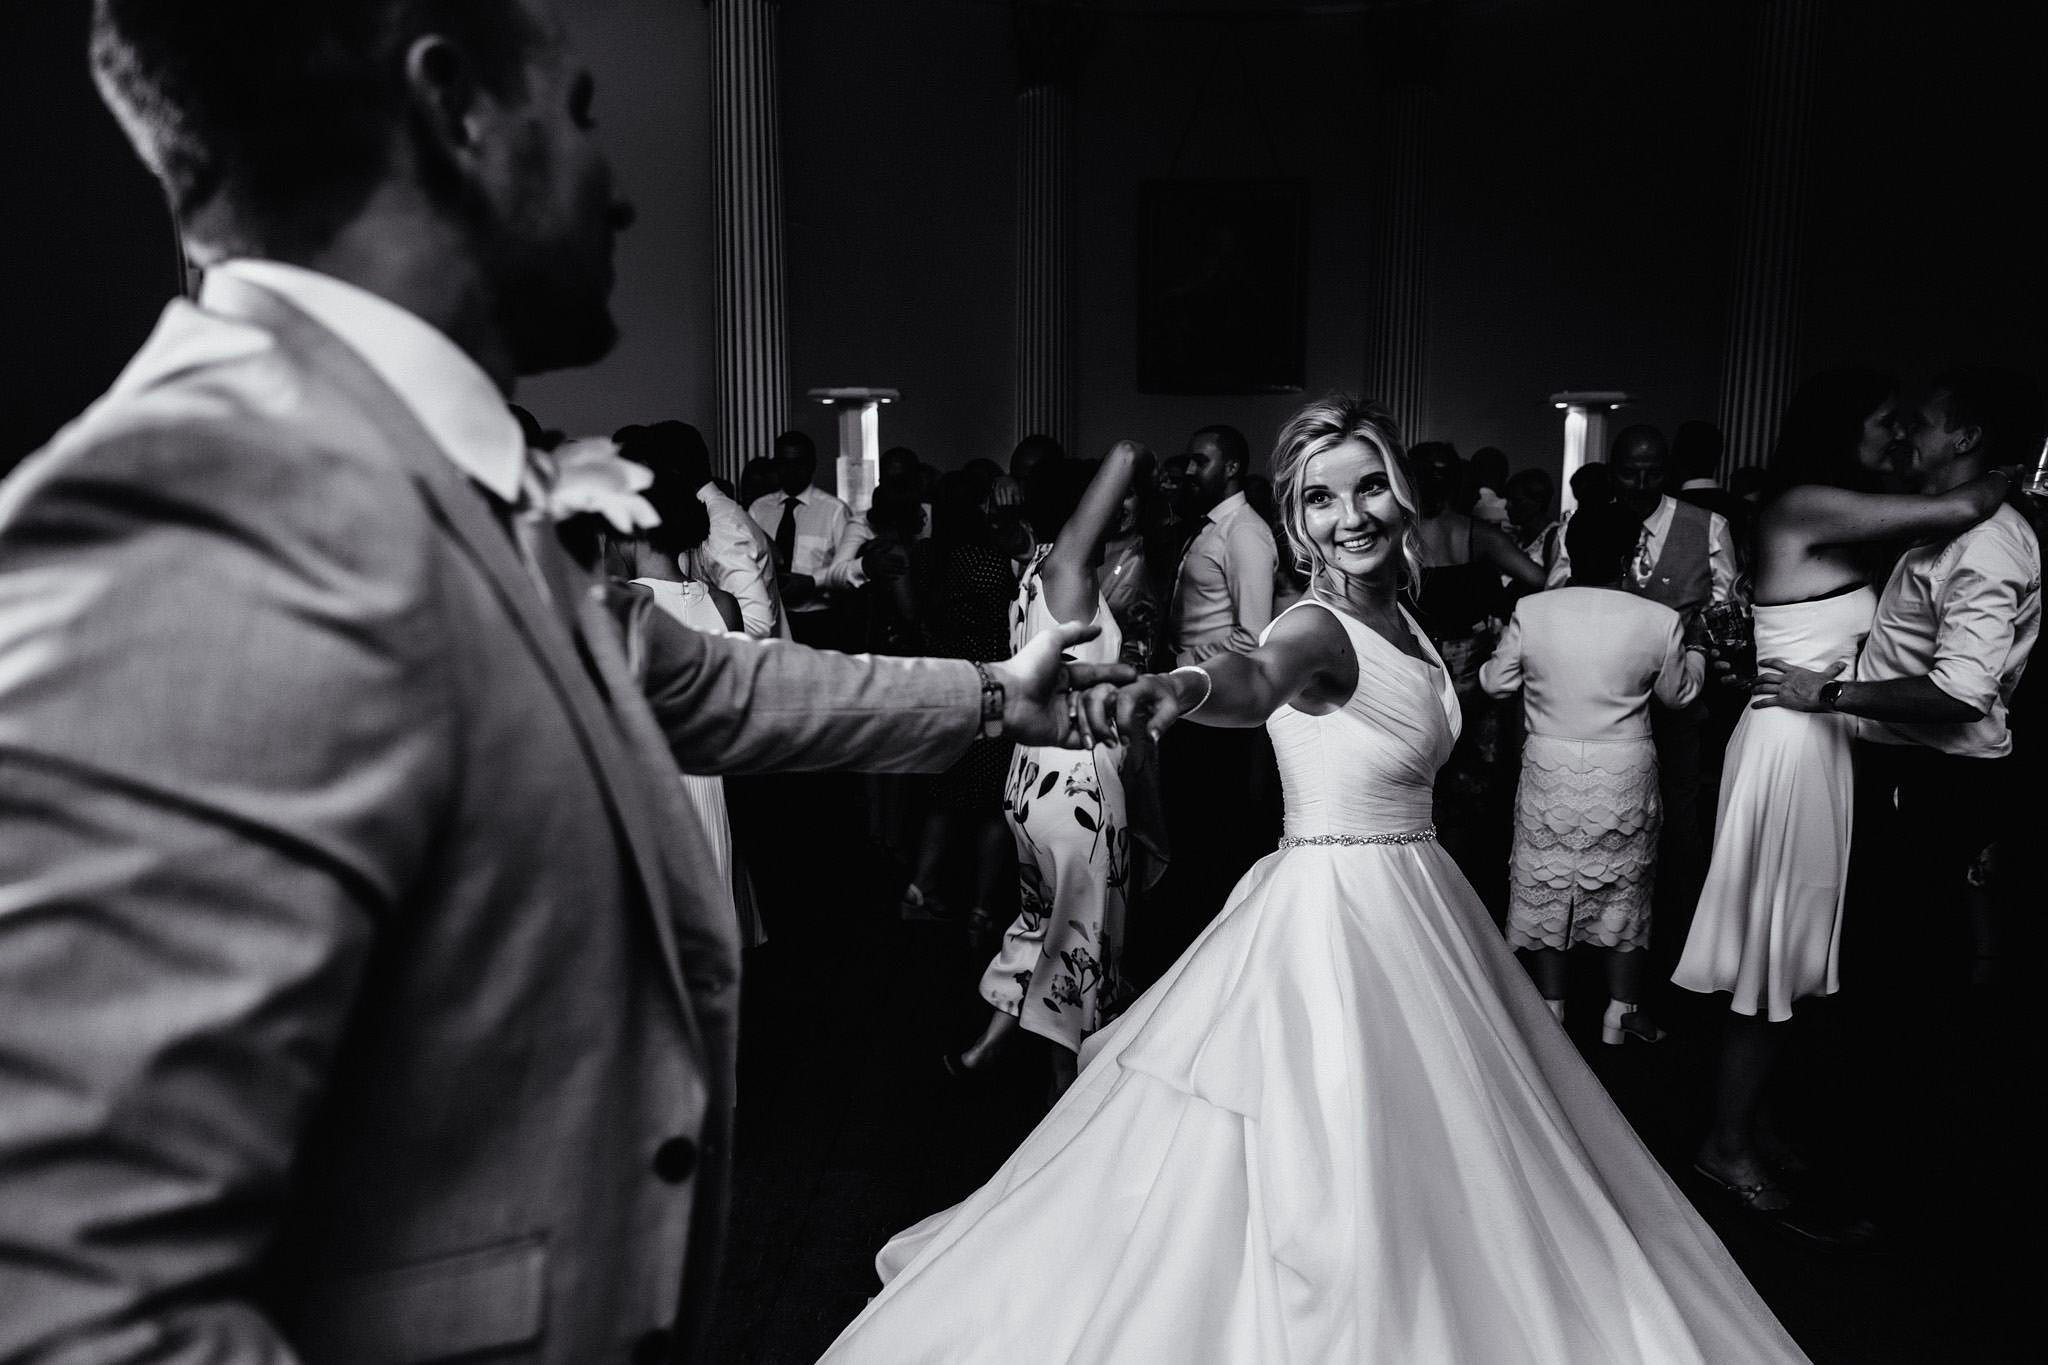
<point>666,565</point>
<point>1588,659</point>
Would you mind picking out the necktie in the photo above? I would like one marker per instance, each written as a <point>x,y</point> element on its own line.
<point>1643,564</point>
<point>785,535</point>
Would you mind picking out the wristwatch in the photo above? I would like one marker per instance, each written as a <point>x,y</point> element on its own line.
<point>991,703</point>
<point>1831,695</point>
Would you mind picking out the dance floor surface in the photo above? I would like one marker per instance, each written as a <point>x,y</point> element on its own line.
<point>847,1132</point>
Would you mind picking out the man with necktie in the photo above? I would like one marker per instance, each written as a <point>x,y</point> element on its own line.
<point>1685,558</point>
<point>817,541</point>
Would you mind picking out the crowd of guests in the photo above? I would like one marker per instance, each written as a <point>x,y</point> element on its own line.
<point>1632,778</point>
<point>372,921</point>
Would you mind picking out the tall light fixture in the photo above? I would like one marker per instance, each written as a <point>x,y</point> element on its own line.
<point>1585,429</point>
<point>860,440</point>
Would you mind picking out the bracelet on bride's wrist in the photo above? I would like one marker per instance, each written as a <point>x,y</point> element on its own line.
<point>1208,686</point>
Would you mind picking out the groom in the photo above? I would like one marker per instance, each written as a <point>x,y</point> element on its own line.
<point>363,995</point>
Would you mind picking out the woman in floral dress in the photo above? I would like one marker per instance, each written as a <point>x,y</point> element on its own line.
<point>1056,973</point>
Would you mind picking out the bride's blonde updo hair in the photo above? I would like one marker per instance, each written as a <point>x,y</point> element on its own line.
<point>1322,426</point>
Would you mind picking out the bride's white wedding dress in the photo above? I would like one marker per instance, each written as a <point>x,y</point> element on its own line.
<point>1343,1127</point>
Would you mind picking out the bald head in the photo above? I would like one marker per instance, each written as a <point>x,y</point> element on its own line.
<point>1640,460</point>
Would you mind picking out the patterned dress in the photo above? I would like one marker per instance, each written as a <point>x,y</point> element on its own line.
<point>1058,967</point>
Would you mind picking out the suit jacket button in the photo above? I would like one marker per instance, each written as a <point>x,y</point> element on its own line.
<point>656,1348</point>
<point>675,1160</point>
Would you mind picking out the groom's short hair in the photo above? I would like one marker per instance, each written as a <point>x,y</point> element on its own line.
<point>2004,405</point>
<point>282,113</point>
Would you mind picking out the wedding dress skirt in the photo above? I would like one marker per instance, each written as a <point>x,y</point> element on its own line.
<point>1343,1127</point>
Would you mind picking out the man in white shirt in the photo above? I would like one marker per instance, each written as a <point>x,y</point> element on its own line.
<point>1223,593</point>
<point>737,555</point>
<point>1952,632</point>
<point>1933,763</point>
<point>816,539</point>
<point>1222,598</point>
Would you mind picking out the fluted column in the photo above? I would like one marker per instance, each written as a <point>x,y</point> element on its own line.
<point>1760,366</point>
<point>753,353</point>
<point>1051,39</point>
<point>1045,362</point>
<point>1396,340</point>
<point>1406,46</point>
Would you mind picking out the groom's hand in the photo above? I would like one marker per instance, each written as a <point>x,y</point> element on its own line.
<point>1041,702</point>
<point>1796,689</point>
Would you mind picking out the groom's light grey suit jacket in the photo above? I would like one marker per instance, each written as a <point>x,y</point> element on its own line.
<point>361,995</point>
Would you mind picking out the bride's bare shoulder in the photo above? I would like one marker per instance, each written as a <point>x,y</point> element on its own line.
<point>1310,643</point>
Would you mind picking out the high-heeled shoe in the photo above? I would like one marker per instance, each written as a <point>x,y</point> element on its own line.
<point>1766,1196</point>
<point>1623,1022</point>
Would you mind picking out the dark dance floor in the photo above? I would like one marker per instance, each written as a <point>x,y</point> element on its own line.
<point>846,1135</point>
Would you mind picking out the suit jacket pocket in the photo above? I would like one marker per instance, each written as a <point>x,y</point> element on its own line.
<point>489,1298</point>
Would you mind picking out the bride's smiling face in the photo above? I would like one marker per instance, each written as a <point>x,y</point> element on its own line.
<point>1350,511</point>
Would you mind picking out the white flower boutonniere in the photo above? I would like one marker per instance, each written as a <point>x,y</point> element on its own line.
<point>588,477</point>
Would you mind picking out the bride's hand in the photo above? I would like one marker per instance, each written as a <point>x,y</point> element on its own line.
<point>1040,701</point>
<point>1150,705</point>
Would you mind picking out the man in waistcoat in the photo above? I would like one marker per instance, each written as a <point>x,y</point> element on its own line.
<point>1685,558</point>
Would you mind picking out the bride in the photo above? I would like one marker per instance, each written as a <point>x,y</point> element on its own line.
<point>1343,1127</point>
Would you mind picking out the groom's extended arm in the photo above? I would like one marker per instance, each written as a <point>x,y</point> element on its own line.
<point>733,705</point>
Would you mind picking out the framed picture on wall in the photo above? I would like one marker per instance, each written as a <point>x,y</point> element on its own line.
<point>1222,286</point>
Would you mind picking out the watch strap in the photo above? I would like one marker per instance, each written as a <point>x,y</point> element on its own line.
<point>992,699</point>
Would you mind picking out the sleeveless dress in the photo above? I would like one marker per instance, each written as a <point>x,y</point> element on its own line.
<point>1059,969</point>
<point>1769,924</point>
<point>1342,1127</point>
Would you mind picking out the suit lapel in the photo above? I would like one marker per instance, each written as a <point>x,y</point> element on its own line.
<point>463,510</point>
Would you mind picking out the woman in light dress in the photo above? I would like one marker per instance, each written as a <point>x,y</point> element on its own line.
<point>1769,923</point>
<point>1342,1127</point>
<point>1589,659</point>
<point>1058,973</point>
<point>663,563</point>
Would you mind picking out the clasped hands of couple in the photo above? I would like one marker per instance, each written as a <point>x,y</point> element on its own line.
<point>1048,699</point>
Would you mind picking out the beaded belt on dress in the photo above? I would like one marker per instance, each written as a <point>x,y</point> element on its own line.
<point>1413,836</point>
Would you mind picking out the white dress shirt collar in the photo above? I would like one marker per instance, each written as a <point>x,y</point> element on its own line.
<point>1224,508</point>
<point>446,390</point>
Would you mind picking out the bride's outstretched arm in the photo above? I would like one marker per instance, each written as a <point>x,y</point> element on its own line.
<point>1306,659</point>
